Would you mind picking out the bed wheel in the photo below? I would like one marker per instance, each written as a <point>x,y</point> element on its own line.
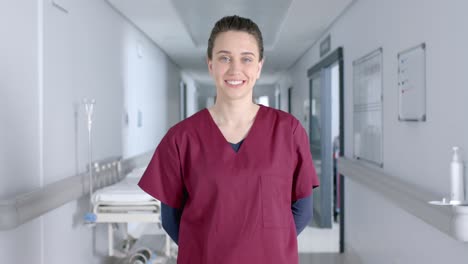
<point>138,258</point>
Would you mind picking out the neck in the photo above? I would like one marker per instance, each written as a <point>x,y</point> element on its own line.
<point>234,112</point>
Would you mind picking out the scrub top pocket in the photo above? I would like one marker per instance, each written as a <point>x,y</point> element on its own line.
<point>276,205</point>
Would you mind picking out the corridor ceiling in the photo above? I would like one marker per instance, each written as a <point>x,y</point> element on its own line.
<point>181,28</point>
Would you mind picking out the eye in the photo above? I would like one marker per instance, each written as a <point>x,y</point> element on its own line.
<point>224,59</point>
<point>247,59</point>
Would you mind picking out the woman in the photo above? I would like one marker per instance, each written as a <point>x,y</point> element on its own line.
<point>234,177</point>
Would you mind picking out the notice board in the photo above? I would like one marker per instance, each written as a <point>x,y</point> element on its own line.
<point>367,104</point>
<point>412,84</point>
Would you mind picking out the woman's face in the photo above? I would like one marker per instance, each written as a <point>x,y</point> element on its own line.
<point>235,65</point>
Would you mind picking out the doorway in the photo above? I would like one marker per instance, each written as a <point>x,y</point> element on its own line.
<point>326,140</point>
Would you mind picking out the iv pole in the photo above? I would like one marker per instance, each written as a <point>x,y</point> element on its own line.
<point>90,217</point>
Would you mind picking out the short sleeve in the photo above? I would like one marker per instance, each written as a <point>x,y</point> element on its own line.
<point>305,176</point>
<point>163,178</point>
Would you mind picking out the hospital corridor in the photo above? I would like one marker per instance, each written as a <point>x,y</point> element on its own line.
<point>99,96</point>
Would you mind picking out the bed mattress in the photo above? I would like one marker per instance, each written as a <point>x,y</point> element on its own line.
<point>125,191</point>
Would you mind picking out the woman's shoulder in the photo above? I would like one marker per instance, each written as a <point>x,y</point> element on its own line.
<point>280,115</point>
<point>189,124</point>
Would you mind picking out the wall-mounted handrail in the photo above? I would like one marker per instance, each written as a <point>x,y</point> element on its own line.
<point>407,196</point>
<point>25,207</point>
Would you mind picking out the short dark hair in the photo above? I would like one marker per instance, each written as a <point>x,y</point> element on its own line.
<point>235,23</point>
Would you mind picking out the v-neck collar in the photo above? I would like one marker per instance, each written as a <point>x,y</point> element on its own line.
<point>226,143</point>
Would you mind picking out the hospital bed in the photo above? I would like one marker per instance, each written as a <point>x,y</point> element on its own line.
<point>125,203</point>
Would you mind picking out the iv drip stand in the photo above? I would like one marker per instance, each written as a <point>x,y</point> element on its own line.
<point>90,218</point>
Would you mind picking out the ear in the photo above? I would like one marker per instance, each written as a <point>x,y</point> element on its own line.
<point>210,65</point>
<point>260,65</point>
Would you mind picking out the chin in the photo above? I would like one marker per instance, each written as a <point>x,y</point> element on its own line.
<point>237,96</point>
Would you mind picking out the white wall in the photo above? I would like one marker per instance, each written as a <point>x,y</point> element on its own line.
<point>151,88</point>
<point>19,89</point>
<point>83,57</point>
<point>49,61</point>
<point>19,117</point>
<point>192,94</point>
<point>420,153</point>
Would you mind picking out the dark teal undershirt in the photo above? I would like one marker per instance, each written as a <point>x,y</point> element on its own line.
<point>236,146</point>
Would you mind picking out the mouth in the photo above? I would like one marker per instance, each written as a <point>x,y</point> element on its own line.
<point>234,83</point>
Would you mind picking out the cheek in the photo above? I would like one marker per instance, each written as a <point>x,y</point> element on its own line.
<point>218,69</point>
<point>253,71</point>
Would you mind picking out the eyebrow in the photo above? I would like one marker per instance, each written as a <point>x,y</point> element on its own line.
<point>242,53</point>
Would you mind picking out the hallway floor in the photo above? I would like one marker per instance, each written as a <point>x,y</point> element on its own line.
<point>327,258</point>
<point>321,246</point>
<point>317,240</point>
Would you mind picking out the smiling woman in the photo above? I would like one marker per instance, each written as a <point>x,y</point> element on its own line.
<point>235,179</point>
<point>235,66</point>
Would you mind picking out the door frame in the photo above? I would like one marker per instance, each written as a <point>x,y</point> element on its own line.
<point>183,99</point>
<point>335,57</point>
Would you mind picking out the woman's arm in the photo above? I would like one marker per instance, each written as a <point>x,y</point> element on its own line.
<point>301,210</point>
<point>302,213</point>
<point>170,218</point>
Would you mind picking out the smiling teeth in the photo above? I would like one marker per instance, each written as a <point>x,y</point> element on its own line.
<point>234,82</point>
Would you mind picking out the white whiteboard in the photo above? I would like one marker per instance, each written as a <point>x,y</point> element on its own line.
<point>412,84</point>
<point>367,110</point>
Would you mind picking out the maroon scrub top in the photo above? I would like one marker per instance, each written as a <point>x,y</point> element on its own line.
<point>236,206</point>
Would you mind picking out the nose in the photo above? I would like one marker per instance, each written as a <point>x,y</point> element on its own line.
<point>234,66</point>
